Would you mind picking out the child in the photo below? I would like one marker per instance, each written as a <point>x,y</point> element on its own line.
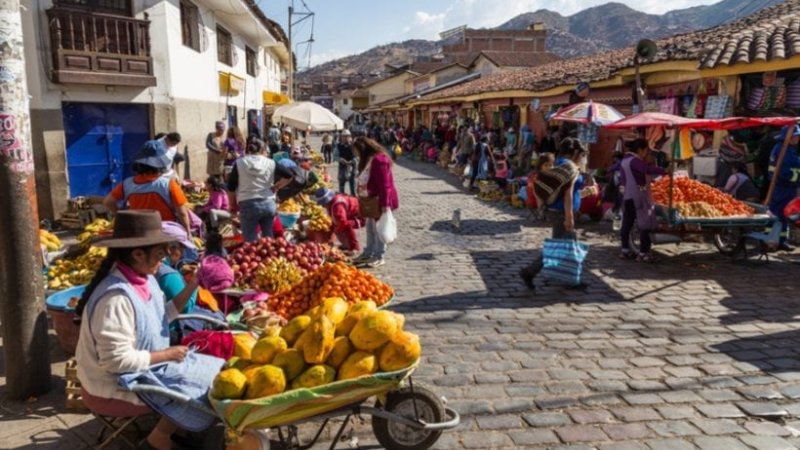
<point>545,162</point>
<point>500,169</point>
<point>217,207</point>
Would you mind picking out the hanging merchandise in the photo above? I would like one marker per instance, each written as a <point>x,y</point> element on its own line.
<point>682,144</point>
<point>718,107</point>
<point>687,103</point>
<point>793,94</point>
<point>650,105</point>
<point>587,132</point>
<point>667,105</point>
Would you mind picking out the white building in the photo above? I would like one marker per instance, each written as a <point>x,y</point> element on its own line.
<point>106,75</point>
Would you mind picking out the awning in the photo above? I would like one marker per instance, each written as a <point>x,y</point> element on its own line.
<point>274,98</point>
<point>230,83</point>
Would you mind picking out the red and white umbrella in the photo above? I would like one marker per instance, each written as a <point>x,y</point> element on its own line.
<point>588,112</point>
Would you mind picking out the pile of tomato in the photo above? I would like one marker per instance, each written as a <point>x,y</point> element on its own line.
<point>686,190</point>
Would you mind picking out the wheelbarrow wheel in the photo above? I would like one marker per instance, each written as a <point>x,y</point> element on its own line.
<point>729,241</point>
<point>394,435</point>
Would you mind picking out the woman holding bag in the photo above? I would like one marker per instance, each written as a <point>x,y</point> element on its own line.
<point>377,197</point>
<point>636,199</point>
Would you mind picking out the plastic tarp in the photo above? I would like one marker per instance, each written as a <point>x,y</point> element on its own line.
<point>298,404</point>
<point>650,119</point>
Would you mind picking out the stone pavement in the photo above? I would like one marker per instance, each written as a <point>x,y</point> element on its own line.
<point>693,352</point>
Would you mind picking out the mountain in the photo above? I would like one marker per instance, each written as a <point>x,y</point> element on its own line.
<point>612,25</point>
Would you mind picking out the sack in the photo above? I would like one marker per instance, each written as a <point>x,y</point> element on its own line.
<point>212,343</point>
<point>563,260</point>
<point>398,150</point>
<point>550,185</point>
<point>369,207</point>
<point>467,170</point>
<point>215,274</point>
<point>645,211</point>
<point>387,227</point>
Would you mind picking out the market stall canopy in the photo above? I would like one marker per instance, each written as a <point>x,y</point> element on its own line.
<point>305,115</point>
<point>656,119</point>
<point>588,112</point>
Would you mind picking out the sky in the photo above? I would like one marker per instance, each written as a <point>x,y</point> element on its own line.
<point>349,27</point>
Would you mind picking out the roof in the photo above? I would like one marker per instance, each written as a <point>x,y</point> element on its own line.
<point>269,24</point>
<point>447,66</point>
<point>517,59</point>
<point>405,97</point>
<point>771,34</point>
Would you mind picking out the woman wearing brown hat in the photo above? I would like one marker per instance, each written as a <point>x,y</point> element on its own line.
<point>124,335</point>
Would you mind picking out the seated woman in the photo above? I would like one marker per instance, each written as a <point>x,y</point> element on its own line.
<point>124,335</point>
<point>740,185</point>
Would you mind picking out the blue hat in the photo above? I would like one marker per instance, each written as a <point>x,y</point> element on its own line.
<point>153,154</point>
<point>323,196</point>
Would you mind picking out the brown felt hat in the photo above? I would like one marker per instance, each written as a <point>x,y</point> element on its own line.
<point>137,228</point>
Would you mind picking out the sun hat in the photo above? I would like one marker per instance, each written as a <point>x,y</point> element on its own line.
<point>323,196</point>
<point>154,154</point>
<point>178,233</point>
<point>297,152</point>
<point>346,132</point>
<point>136,228</point>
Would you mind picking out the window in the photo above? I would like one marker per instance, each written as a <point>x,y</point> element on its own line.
<point>250,61</point>
<point>344,101</point>
<point>190,25</point>
<point>118,7</point>
<point>224,46</point>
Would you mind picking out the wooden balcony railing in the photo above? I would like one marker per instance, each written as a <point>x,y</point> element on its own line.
<point>91,48</point>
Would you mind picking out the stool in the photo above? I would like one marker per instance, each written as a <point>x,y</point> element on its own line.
<point>116,416</point>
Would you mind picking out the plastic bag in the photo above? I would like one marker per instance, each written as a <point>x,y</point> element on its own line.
<point>387,227</point>
<point>563,260</point>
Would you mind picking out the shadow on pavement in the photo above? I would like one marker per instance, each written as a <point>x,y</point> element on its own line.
<point>772,353</point>
<point>479,227</point>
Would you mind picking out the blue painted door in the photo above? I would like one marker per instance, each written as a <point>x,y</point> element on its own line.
<point>102,139</point>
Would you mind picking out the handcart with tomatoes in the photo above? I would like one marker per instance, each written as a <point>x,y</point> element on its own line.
<point>730,232</point>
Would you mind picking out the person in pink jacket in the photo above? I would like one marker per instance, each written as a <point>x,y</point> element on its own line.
<point>218,206</point>
<point>375,180</point>
<point>345,214</point>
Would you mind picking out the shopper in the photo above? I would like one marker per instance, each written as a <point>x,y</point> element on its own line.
<point>634,177</point>
<point>124,335</point>
<point>788,180</point>
<point>216,149</point>
<point>344,211</point>
<point>327,148</point>
<point>234,148</point>
<point>347,163</point>
<point>148,189</point>
<point>252,181</point>
<point>561,213</point>
<point>375,180</point>
<point>218,205</point>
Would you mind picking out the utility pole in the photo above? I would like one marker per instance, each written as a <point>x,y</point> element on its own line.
<point>303,16</point>
<point>22,317</point>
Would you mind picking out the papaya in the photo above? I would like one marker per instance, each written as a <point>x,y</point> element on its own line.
<point>291,361</point>
<point>334,308</point>
<point>237,363</point>
<point>266,380</point>
<point>402,350</point>
<point>229,384</point>
<point>315,376</point>
<point>374,330</point>
<point>341,349</point>
<point>358,364</point>
<point>243,344</point>
<point>318,341</point>
<point>266,349</point>
<point>354,314</point>
<point>292,331</point>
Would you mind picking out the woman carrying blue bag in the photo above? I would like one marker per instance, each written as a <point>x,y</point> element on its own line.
<point>562,256</point>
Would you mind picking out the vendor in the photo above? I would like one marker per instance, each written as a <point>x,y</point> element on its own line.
<point>345,214</point>
<point>124,335</point>
<point>788,181</point>
<point>297,172</point>
<point>740,185</point>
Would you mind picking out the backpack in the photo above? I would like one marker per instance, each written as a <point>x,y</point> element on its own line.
<point>550,185</point>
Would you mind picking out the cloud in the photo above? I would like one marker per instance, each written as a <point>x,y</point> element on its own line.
<point>426,25</point>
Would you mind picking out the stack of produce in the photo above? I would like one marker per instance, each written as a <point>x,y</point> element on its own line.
<point>708,201</point>
<point>332,280</point>
<point>66,273</point>
<point>93,230</point>
<point>246,259</point>
<point>333,253</point>
<point>276,275</point>
<point>333,342</point>
<point>489,191</point>
<point>50,241</point>
<point>290,206</point>
<point>317,216</point>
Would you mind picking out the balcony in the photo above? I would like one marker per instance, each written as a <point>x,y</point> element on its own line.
<point>92,48</point>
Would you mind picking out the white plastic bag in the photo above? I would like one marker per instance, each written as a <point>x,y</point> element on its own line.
<point>387,227</point>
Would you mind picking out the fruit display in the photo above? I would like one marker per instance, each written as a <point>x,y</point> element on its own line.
<point>246,259</point>
<point>315,349</point>
<point>331,280</point>
<point>709,202</point>
<point>276,275</point>
<point>290,206</point>
<point>317,216</point>
<point>67,273</point>
<point>50,241</point>
<point>491,196</point>
<point>93,230</point>
<point>333,253</point>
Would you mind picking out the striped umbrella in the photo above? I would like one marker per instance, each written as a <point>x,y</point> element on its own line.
<point>588,112</point>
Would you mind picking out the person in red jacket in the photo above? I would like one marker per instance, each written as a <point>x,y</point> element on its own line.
<point>344,212</point>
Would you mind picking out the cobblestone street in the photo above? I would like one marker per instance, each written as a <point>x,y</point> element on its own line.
<point>693,352</point>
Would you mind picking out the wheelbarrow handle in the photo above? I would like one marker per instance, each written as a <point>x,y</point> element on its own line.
<point>455,419</point>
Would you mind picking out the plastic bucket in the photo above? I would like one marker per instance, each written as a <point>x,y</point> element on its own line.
<point>288,219</point>
<point>67,331</point>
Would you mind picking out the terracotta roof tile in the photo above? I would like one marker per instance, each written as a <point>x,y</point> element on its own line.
<point>518,59</point>
<point>770,34</point>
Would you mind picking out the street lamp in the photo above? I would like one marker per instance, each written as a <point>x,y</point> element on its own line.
<point>303,16</point>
